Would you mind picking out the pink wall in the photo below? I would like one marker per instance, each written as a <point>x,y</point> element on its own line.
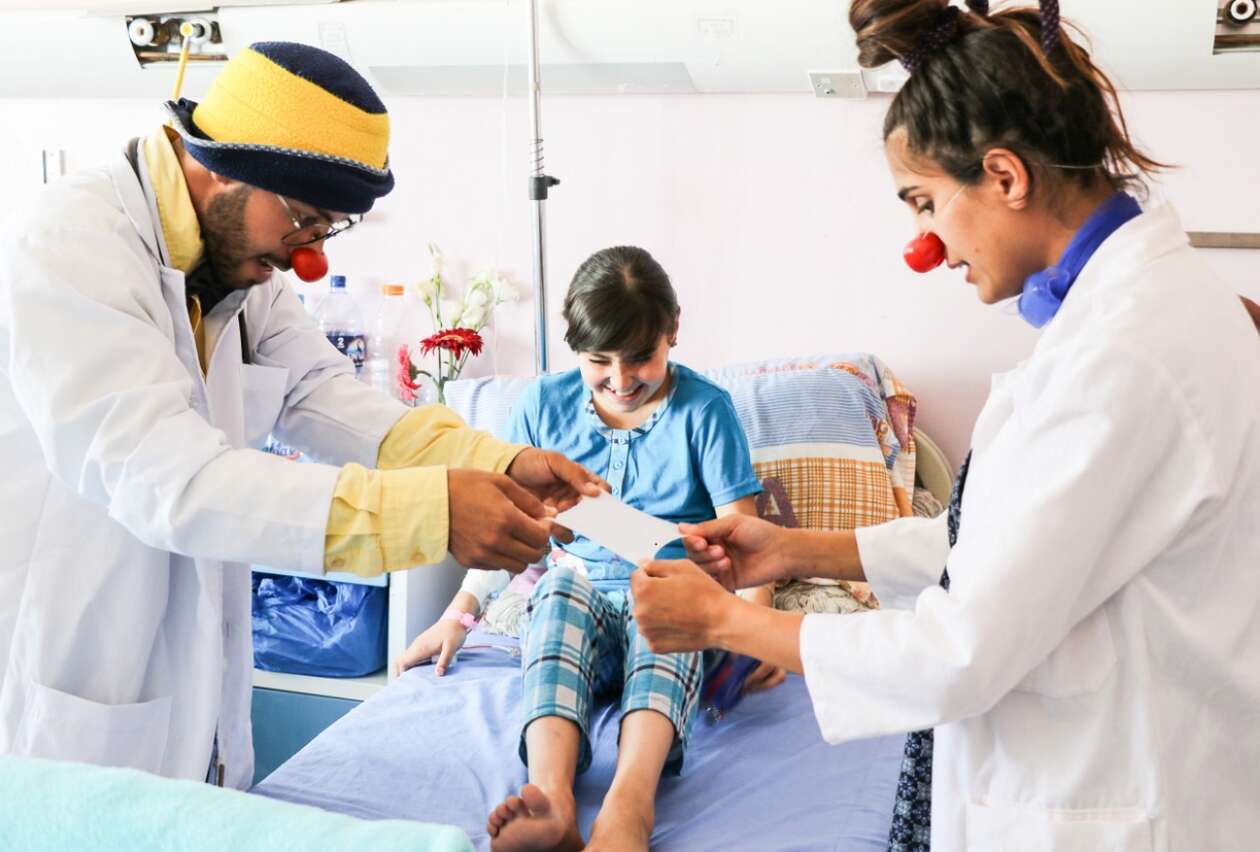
<point>773,214</point>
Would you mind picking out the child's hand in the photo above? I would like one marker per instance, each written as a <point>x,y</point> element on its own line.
<point>441,640</point>
<point>765,676</point>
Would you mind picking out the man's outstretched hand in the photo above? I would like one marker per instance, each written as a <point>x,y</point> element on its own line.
<point>553,478</point>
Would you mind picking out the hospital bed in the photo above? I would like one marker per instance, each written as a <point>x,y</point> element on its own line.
<point>444,750</point>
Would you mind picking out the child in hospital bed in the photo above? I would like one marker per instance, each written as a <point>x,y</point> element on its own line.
<point>668,442</point>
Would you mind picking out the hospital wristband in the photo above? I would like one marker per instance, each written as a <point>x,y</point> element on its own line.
<point>465,618</point>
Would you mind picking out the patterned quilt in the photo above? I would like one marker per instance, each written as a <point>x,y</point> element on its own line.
<point>832,441</point>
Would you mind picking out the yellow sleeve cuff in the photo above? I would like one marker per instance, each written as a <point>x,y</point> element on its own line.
<point>435,435</point>
<point>415,517</point>
<point>387,520</point>
<point>398,516</point>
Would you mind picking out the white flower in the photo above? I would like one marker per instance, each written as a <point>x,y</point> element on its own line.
<point>429,289</point>
<point>503,290</point>
<point>476,297</point>
<point>451,311</point>
<point>482,286</point>
<point>474,316</point>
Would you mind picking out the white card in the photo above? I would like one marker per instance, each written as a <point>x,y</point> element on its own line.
<point>623,529</point>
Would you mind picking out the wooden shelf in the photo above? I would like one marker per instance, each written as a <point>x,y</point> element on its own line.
<point>1224,240</point>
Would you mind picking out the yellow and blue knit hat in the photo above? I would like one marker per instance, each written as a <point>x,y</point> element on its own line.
<point>295,120</point>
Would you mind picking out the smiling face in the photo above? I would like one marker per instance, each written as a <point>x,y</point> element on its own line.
<point>989,228</point>
<point>621,383</point>
<point>245,230</point>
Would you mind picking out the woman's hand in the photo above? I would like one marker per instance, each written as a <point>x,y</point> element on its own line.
<point>442,640</point>
<point>740,551</point>
<point>678,606</point>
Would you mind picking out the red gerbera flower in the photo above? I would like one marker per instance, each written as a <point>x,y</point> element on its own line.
<point>454,340</point>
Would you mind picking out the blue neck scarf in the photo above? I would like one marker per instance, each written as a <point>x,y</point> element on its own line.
<point>1045,291</point>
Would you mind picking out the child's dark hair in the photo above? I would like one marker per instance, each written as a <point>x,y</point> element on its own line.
<point>985,81</point>
<point>620,300</point>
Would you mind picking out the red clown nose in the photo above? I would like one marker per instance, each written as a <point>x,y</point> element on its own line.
<point>925,252</point>
<point>310,265</point>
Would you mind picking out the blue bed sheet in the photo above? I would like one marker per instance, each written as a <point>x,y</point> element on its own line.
<point>445,750</point>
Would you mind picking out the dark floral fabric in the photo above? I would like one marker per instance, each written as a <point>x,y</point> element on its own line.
<point>912,813</point>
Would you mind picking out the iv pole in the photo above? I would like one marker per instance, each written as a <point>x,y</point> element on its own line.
<point>539,184</point>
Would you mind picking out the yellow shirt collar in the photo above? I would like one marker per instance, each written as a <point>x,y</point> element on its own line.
<point>174,205</point>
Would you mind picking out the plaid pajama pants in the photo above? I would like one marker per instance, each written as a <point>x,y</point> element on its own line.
<point>579,644</point>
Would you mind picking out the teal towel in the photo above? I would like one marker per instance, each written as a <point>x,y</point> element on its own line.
<point>61,806</point>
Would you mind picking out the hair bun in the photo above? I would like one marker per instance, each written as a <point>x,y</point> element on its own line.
<point>892,29</point>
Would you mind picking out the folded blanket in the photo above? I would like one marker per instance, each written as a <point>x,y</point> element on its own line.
<point>56,805</point>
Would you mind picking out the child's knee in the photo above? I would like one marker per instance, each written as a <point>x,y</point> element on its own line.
<point>561,592</point>
<point>561,580</point>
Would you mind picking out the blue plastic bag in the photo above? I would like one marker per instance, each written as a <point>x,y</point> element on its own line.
<point>318,627</point>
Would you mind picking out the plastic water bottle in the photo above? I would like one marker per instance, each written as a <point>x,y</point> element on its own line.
<point>342,323</point>
<point>384,341</point>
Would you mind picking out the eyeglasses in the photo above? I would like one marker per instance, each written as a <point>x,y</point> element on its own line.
<point>319,231</point>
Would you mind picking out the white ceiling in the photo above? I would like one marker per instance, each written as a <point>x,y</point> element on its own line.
<point>674,45</point>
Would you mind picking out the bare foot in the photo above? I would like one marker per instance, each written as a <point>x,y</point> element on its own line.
<point>535,821</point>
<point>624,824</point>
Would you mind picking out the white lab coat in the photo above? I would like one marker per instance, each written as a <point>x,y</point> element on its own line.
<point>1093,673</point>
<point>130,500</point>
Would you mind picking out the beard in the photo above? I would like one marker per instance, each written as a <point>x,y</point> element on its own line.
<point>227,243</point>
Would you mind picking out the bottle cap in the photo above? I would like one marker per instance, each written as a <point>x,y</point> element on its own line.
<point>337,282</point>
<point>392,290</point>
